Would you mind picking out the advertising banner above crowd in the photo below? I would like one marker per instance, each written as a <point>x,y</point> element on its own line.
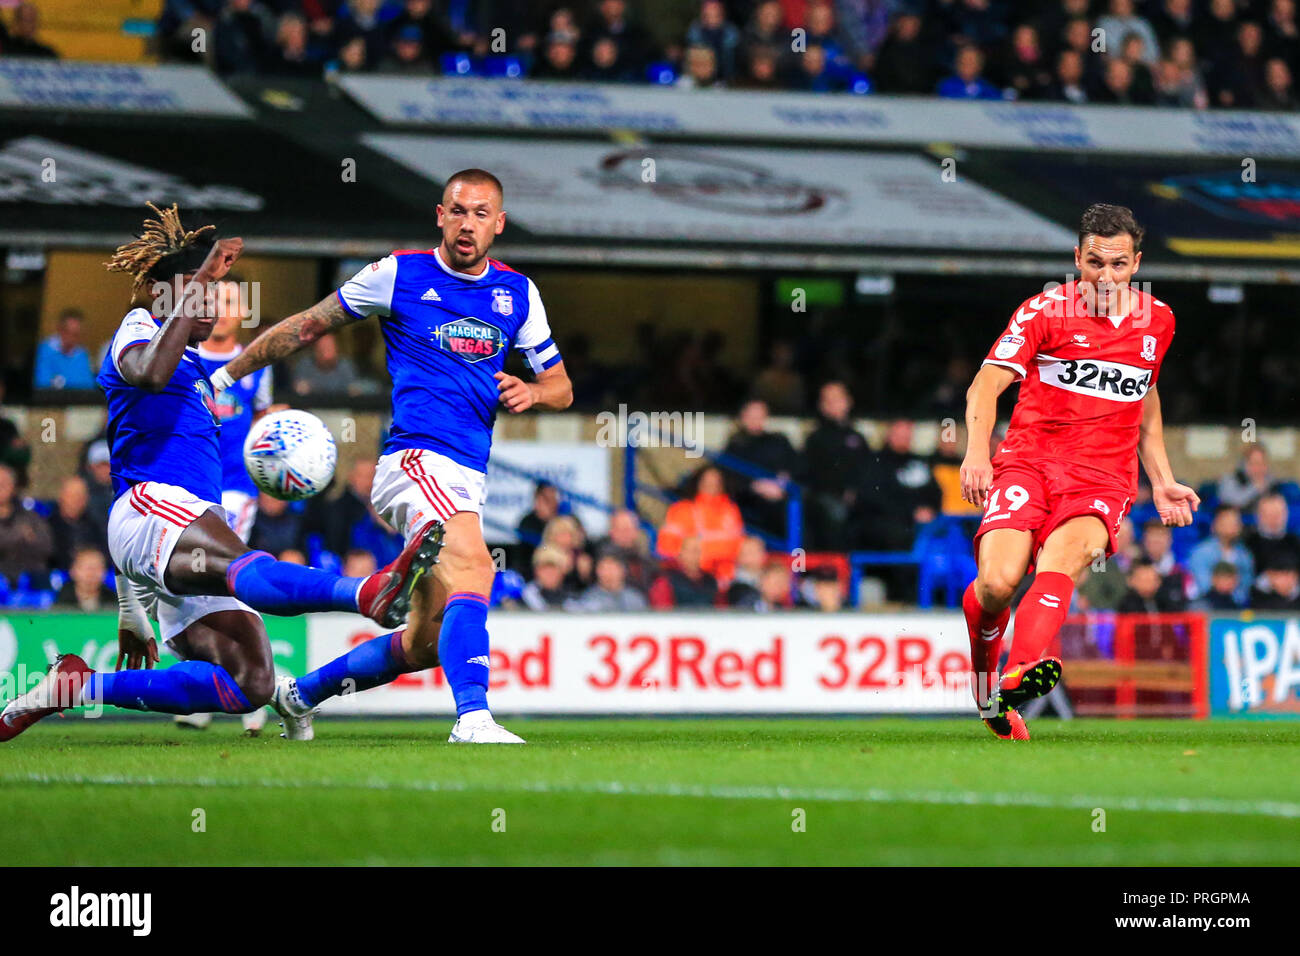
<point>592,190</point>
<point>115,88</point>
<point>483,104</point>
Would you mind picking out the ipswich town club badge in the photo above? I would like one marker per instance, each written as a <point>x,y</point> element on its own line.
<point>502,302</point>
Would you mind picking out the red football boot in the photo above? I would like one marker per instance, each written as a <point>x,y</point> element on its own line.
<point>58,690</point>
<point>385,596</point>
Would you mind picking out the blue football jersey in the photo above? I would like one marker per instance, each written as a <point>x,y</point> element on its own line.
<point>172,436</point>
<point>236,407</point>
<point>447,335</point>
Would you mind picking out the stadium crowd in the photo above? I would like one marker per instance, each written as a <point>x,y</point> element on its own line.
<point>717,545</point>
<point>1195,53</point>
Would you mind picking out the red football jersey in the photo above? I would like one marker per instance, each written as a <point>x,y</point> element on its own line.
<point>1084,378</point>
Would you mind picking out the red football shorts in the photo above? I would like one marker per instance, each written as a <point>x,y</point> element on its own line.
<point>1040,495</point>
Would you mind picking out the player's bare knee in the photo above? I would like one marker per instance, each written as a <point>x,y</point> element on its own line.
<point>258,684</point>
<point>995,588</point>
<point>467,568</point>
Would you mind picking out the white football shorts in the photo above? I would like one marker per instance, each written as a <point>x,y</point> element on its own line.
<point>415,486</point>
<point>143,527</point>
<point>241,511</point>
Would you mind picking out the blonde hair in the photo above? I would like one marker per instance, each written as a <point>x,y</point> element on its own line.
<point>162,237</point>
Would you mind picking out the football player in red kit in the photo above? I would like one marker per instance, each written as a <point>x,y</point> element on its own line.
<point>1087,355</point>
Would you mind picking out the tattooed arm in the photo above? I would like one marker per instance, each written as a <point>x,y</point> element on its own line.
<point>285,338</point>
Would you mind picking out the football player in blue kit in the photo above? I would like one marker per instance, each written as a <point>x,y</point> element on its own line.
<point>238,406</point>
<point>167,530</point>
<point>449,315</point>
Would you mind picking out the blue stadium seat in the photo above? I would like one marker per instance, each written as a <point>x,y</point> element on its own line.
<point>661,74</point>
<point>501,67</point>
<point>457,64</point>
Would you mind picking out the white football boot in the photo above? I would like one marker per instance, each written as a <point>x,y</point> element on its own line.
<point>478,727</point>
<point>295,713</point>
<point>193,721</point>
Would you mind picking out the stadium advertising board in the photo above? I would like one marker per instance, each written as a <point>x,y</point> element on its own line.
<point>572,466</point>
<point>1255,667</point>
<point>29,642</point>
<point>453,102</point>
<point>728,194</point>
<point>688,664</point>
<point>115,88</point>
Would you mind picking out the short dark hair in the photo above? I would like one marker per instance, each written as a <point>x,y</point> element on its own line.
<point>1102,219</point>
<point>476,177</point>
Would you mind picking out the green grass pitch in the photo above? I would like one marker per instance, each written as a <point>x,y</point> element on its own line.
<point>679,792</point>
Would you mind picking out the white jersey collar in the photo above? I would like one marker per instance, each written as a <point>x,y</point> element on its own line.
<point>487,267</point>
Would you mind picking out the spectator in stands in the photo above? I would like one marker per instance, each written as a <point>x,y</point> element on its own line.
<point>633,42</point>
<point>905,63</point>
<point>1177,85</point>
<point>352,59</point>
<point>293,53</point>
<point>812,73</point>
<point>1145,594</point>
<point>1278,93</point>
<point>241,43</point>
<point>945,466</point>
<point>981,22</point>
<point>1123,20</point>
<point>836,463</point>
<point>359,563</point>
<point>711,29</point>
<point>1068,84</point>
<point>14,450</point>
<point>762,71</point>
<point>1283,31</point>
<point>1278,586</point>
<point>565,533</point>
<point>1237,80</point>
<point>324,372</point>
<point>824,31</point>
<point>277,527</point>
<point>864,25</point>
<point>1117,86</point>
<point>25,539</point>
<point>437,34</point>
<point>701,72</point>
<point>779,383</point>
<point>1157,547</point>
<point>531,527</point>
<point>1170,19</point>
<point>1251,480</point>
<point>1026,69</point>
<point>1223,545</point>
<point>71,527</point>
<point>371,20</point>
<point>407,53</point>
<point>765,30</point>
<point>611,593</point>
<point>548,590</point>
<point>822,590</point>
<point>709,515</point>
<point>967,81</point>
<point>605,63</point>
<point>1225,583</point>
<point>85,588</point>
<point>1269,540</point>
<point>774,589</point>
<point>20,39</point>
<point>61,360</point>
<point>684,583</point>
<point>292,556</point>
<point>559,59</point>
<point>1132,52</point>
<point>743,589</point>
<point>762,501</point>
<point>335,518</point>
<point>898,492</point>
<point>626,542</point>
<point>1215,32</point>
<point>98,474</point>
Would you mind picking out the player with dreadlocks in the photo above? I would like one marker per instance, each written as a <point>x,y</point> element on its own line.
<point>167,531</point>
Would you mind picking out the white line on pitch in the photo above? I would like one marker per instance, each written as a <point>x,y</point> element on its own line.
<point>969,798</point>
